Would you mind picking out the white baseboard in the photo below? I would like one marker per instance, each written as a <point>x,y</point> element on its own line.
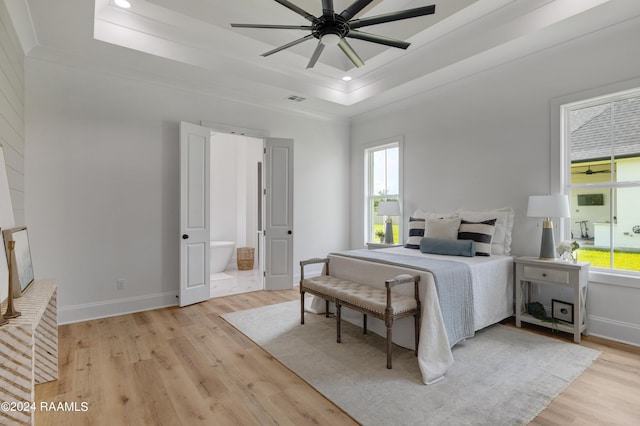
<point>614,330</point>
<point>90,311</point>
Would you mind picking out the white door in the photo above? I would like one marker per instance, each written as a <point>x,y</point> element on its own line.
<point>278,239</point>
<point>195,161</point>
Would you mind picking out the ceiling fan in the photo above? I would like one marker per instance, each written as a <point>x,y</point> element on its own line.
<point>334,28</point>
<point>591,172</point>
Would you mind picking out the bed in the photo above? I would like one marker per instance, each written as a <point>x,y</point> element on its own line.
<point>491,282</point>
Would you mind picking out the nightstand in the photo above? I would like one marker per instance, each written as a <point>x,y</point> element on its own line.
<point>372,246</point>
<point>561,274</point>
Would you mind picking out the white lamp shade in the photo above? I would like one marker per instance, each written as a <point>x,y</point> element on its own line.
<point>388,208</point>
<point>548,206</point>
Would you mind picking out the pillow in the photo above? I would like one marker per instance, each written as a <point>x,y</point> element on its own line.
<point>421,214</point>
<point>480,232</point>
<point>442,228</point>
<point>449,247</point>
<point>416,232</point>
<point>501,243</point>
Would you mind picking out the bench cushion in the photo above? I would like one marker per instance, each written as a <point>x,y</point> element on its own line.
<point>326,284</point>
<point>375,299</point>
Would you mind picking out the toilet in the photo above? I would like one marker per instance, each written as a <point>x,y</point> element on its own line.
<point>221,254</point>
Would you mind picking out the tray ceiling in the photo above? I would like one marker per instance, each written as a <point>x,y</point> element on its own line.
<point>191,43</point>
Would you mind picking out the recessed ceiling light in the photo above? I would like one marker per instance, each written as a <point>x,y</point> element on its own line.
<point>347,78</point>
<point>122,3</point>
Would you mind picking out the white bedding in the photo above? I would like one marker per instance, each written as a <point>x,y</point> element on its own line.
<point>492,292</point>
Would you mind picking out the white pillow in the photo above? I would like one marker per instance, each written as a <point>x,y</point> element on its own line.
<point>442,228</point>
<point>433,215</point>
<point>501,243</point>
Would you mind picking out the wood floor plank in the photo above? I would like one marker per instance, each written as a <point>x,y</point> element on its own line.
<point>607,393</point>
<point>187,366</point>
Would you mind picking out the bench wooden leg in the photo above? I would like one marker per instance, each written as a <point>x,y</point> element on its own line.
<point>364,323</point>
<point>301,307</point>
<point>326,308</point>
<point>338,317</point>
<point>389,322</point>
<point>417,331</point>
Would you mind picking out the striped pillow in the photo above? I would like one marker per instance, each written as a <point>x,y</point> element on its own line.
<point>480,232</point>
<point>416,232</point>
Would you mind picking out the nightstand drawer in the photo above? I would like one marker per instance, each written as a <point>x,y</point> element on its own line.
<point>543,274</point>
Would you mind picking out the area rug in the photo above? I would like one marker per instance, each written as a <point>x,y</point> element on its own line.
<point>502,376</point>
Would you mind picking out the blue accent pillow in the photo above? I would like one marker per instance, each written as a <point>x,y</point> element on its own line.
<point>448,247</point>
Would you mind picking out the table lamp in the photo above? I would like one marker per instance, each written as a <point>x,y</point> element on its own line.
<point>548,206</point>
<point>388,208</point>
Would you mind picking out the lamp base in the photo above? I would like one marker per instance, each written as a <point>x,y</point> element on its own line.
<point>548,244</point>
<point>388,233</point>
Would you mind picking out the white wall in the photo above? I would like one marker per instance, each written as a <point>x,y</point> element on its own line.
<point>224,188</point>
<point>234,188</point>
<point>484,142</point>
<point>103,183</point>
<point>12,129</point>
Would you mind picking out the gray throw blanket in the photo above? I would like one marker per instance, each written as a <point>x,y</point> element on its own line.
<point>453,284</point>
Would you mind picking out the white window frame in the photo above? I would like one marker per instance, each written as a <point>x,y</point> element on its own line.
<point>366,154</point>
<point>561,164</point>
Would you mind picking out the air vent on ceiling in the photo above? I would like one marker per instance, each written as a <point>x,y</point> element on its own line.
<point>295,98</point>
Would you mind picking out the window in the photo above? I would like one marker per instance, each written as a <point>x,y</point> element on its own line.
<point>382,183</point>
<point>602,178</point>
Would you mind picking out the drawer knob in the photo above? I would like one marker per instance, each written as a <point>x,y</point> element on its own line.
<point>544,274</point>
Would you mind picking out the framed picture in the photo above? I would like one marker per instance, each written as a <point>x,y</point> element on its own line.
<point>562,311</point>
<point>22,275</point>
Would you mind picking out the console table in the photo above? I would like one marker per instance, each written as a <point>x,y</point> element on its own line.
<point>29,349</point>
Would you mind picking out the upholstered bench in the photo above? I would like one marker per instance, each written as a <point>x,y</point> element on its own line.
<point>377,302</point>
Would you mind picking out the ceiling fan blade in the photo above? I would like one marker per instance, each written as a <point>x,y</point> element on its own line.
<point>374,38</point>
<point>288,45</point>
<point>327,8</point>
<point>351,54</point>
<point>590,172</point>
<point>354,9</point>
<point>393,16</point>
<point>279,27</point>
<point>298,10</point>
<point>316,55</point>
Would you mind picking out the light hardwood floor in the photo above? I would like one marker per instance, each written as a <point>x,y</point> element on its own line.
<point>188,366</point>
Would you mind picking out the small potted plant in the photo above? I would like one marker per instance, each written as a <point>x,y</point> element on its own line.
<point>380,235</point>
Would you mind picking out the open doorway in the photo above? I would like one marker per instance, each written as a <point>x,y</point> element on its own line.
<point>235,214</point>
<point>273,247</point>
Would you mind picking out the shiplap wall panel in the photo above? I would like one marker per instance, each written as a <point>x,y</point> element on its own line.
<point>15,54</point>
<point>12,119</point>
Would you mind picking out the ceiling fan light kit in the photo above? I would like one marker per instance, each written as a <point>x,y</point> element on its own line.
<point>330,39</point>
<point>333,28</point>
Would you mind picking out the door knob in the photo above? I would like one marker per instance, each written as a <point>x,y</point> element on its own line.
<point>185,236</point>
<point>289,232</point>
